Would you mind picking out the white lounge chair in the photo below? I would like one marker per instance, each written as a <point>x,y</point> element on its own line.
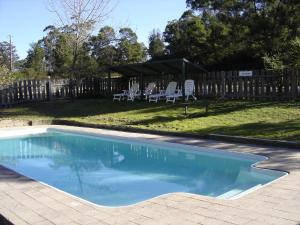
<point>189,87</point>
<point>122,96</point>
<point>149,90</point>
<point>171,90</point>
<point>134,92</point>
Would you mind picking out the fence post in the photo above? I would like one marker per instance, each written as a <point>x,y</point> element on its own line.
<point>49,90</point>
<point>294,84</point>
<point>25,90</point>
<point>15,93</point>
<point>20,90</point>
<point>4,93</point>
<point>71,88</point>
<point>109,84</point>
<point>297,83</point>
<point>29,85</point>
<point>1,95</point>
<point>223,77</point>
<point>95,87</point>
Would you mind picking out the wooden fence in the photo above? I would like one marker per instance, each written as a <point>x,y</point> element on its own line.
<point>47,90</point>
<point>266,85</point>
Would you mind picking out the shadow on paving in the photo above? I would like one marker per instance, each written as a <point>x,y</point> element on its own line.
<point>4,221</point>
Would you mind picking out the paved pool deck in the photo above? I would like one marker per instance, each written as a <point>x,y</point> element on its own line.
<point>25,201</point>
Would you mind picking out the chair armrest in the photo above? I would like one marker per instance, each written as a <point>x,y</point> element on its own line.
<point>162,92</point>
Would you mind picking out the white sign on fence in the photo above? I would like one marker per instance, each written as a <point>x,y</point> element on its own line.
<point>246,73</point>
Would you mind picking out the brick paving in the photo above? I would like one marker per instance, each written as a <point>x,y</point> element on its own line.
<point>25,201</point>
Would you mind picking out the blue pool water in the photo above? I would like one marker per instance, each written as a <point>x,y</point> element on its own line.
<point>117,172</point>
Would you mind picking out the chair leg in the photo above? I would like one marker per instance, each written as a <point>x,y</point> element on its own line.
<point>116,98</point>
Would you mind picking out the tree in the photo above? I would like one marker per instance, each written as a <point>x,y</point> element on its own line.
<point>129,50</point>
<point>103,47</point>
<point>50,43</point>
<point>156,45</point>
<point>5,54</point>
<point>79,17</point>
<point>293,53</point>
<point>187,37</point>
<point>35,61</point>
<point>254,32</point>
<point>6,76</point>
<point>110,48</point>
<point>87,65</point>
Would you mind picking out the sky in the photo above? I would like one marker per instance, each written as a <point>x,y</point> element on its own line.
<point>26,19</point>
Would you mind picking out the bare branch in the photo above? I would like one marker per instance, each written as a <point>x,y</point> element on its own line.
<point>78,18</point>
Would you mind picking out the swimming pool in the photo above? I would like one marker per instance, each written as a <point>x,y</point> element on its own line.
<point>113,171</point>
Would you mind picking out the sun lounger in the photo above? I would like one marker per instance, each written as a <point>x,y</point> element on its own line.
<point>189,87</point>
<point>134,93</point>
<point>171,90</point>
<point>121,96</point>
<point>149,90</point>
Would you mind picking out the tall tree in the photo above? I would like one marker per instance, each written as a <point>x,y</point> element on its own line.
<point>256,30</point>
<point>35,61</point>
<point>103,46</point>
<point>5,54</point>
<point>129,50</point>
<point>156,45</point>
<point>50,43</point>
<point>79,17</point>
<point>187,37</point>
<point>59,54</point>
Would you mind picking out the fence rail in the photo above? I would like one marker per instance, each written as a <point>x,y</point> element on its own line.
<point>47,90</point>
<point>228,85</point>
<point>261,85</point>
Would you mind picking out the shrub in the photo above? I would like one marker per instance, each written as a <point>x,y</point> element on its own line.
<point>6,77</point>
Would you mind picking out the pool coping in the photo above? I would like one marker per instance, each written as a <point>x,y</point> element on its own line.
<point>153,205</point>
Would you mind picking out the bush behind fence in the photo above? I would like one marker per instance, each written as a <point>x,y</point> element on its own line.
<point>263,84</point>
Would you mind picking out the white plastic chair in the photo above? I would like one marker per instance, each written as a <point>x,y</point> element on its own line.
<point>189,87</point>
<point>122,96</point>
<point>171,90</point>
<point>149,89</point>
<point>134,92</point>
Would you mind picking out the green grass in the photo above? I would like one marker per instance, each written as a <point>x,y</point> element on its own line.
<point>272,120</point>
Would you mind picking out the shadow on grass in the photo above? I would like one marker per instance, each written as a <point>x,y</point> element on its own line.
<point>155,120</point>
<point>226,107</point>
<point>217,107</point>
<point>289,130</point>
<point>90,107</point>
<point>76,108</point>
<point>164,113</point>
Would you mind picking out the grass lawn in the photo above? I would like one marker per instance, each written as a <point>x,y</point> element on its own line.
<point>272,120</point>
